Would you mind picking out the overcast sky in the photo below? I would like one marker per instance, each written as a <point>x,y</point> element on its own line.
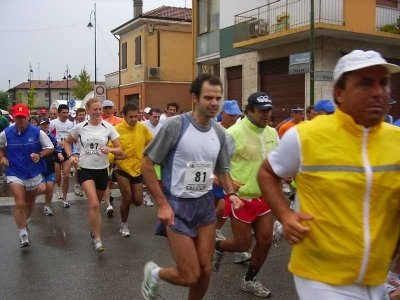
<point>53,33</point>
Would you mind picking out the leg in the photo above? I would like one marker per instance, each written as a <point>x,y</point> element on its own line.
<point>30,202</point>
<point>49,193</point>
<point>242,238</point>
<point>108,193</point>
<point>184,252</point>
<point>205,249</point>
<point>41,188</point>
<point>94,207</point>
<point>137,193</point>
<point>263,231</point>
<point>219,211</point>
<point>18,191</point>
<point>126,196</point>
<point>396,264</point>
<point>66,169</point>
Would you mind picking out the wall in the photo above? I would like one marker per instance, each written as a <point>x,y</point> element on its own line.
<point>232,8</point>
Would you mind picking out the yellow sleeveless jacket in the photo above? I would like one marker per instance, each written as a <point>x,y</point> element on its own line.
<point>349,180</point>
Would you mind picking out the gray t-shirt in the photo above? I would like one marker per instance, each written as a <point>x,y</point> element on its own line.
<point>197,144</point>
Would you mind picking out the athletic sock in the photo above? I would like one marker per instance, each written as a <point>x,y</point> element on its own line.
<point>22,232</point>
<point>251,274</point>
<point>155,272</point>
<point>218,247</point>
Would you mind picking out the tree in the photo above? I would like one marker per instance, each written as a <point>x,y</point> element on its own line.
<point>31,98</point>
<point>83,85</point>
<point>4,100</point>
<point>18,96</point>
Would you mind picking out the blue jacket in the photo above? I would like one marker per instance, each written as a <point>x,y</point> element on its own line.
<point>18,150</point>
<point>50,158</point>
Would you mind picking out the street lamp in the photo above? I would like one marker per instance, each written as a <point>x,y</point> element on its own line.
<point>67,77</point>
<point>49,82</point>
<point>90,25</point>
<point>30,76</point>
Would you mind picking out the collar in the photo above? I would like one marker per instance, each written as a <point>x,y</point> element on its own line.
<point>350,125</point>
<point>252,126</point>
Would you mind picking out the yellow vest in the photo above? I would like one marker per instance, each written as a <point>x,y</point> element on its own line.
<point>252,145</point>
<point>133,140</point>
<point>349,181</point>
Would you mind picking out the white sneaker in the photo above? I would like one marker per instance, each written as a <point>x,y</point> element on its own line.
<point>24,241</point>
<point>219,236</point>
<point>242,257</point>
<point>124,230</point>
<point>147,200</point>
<point>59,194</point>
<point>47,211</point>
<point>277,233</point>
<point>149,283</point>
<point>255,287</point>
<point>98,246</point>
<point>286,188</point>
<point>66,203</point>
<point>78,191</point>
<point>110,211</point>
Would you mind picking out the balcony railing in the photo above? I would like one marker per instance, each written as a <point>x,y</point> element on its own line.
<point>387,19</point>
<point>282,15</point>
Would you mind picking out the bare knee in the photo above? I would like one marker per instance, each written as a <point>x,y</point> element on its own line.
<point>243,243</point>
<point>190,277</point>
<point>264,240</point>
<point>94,205</point>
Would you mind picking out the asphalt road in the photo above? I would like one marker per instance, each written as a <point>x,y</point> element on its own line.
<point>62,264</point>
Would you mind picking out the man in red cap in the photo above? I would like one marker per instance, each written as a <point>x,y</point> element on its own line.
<point>22,148</point>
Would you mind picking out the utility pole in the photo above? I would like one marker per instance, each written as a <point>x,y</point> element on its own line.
<point>312,50</point>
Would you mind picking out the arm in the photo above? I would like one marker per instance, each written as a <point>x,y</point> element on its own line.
<point>165,212</point>
<point>3,158</point>
<point>47,147</point>
<point>68,149</point>
<point>116,150</point>
<point>226,182</point>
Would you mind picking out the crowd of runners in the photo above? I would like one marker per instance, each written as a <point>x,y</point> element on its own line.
<point>324,179</point>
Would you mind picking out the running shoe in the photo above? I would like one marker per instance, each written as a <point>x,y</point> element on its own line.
<point>91,234</point>
<point>219,236</point>
<point>242,257</point>
<point>277,233</point>
<point>110,211</point>
<point>66,203</point>
<point>217,260</point>
<point>147,200</point>
<point>286,188</point>
<point>47,211</point>
<point>98,246</point>
<point>149,283</point>
<point>124,230</point>
<point>59,194</point>
<point>255,287</point>
<point>24,241</point>
<point>78,190</point>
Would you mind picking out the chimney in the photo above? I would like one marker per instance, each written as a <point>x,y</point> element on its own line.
<point>137,8</point>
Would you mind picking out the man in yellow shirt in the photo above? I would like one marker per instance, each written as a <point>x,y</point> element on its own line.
<point>134,137</point>
<point>346,225</point>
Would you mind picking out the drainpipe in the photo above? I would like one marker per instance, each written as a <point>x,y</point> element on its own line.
<point>119,72</point>
<point>312,52</point>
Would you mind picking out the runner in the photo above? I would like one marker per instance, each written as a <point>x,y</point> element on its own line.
<point>296,118</point>
<point>22,147</point>
<point>324,107</point>
<point>346,225</point>
<point>53,114</point>
<point>153,123</point>
<point>80,117</point>
<point>93,161</point>
<point>190,148</point>
<point>60,129</point>
<point>172,110</point>
<point>134,137</point>
<point>250,141</point>
<point>46,187</point>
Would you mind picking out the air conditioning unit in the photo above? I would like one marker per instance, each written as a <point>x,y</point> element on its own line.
<point>257,28</point>
<point>153,72</point>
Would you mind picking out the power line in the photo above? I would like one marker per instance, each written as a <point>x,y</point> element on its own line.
<point>109,51</point>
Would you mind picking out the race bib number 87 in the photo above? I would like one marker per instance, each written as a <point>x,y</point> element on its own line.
<point>198,176</point>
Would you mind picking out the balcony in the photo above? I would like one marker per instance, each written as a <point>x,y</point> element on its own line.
<point>388,19</point>
<point>284,16</point>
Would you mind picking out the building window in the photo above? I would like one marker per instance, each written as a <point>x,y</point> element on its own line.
<point>208,15</point>
<point>63,96</point>
<point>124,55</point>
<point>138,51</point>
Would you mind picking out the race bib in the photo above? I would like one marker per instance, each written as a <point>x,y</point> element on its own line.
<point>61,136</point>
<point>92,146</point>
<point>198,176</point>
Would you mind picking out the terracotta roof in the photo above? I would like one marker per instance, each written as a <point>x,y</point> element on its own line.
<point>170,12</point>
<point>42,84</point>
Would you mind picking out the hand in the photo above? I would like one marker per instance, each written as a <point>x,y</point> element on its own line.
<point>120,157</point>
<point>4,161</point>
<point>237,203</point>
<point>105,149</point>
<point>60,157</point>
<point>237,185</point>
<point>166,215</point>
<point>293,231</point>
<point>74,160</point>
<point>35,157</point>
<point>216,181</point>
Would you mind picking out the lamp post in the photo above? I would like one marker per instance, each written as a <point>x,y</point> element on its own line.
<point>49,82</point>
<point>90,25</point>
<point>30,76</point>
<point>67,77</point>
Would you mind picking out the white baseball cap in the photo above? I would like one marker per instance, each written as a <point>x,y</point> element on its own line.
<point>108,103</point>
<point>147,110</point>
<point>72,113</point>
<point>359,59</point>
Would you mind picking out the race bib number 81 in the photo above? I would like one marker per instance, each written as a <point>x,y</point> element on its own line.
<point>198,176</point>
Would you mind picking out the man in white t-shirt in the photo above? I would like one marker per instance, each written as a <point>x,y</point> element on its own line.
<point>172,110</point>
<point>60,128</point>
<point>153,123</point>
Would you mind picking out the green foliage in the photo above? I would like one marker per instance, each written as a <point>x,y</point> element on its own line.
<point>31,98</point>
<point>4,100</point>
<point>83,86</point>
<point>18,96</point>
<point>392,28</point>
<point>398,22</point>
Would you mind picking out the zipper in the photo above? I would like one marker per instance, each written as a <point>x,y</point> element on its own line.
<point>366,204</point>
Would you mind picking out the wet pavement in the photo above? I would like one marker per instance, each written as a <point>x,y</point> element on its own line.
<point>62,264</point>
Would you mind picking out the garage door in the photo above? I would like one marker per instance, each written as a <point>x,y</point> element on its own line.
<point>286,91</point>
<point>234,78</point>
<point>395,90</point>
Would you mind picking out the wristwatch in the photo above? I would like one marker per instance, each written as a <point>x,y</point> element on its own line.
<point>233,194</point>
<point>40,155</point>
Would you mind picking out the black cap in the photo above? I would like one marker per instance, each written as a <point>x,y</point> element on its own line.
<point>43,121</point>
<point>260,101</point>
